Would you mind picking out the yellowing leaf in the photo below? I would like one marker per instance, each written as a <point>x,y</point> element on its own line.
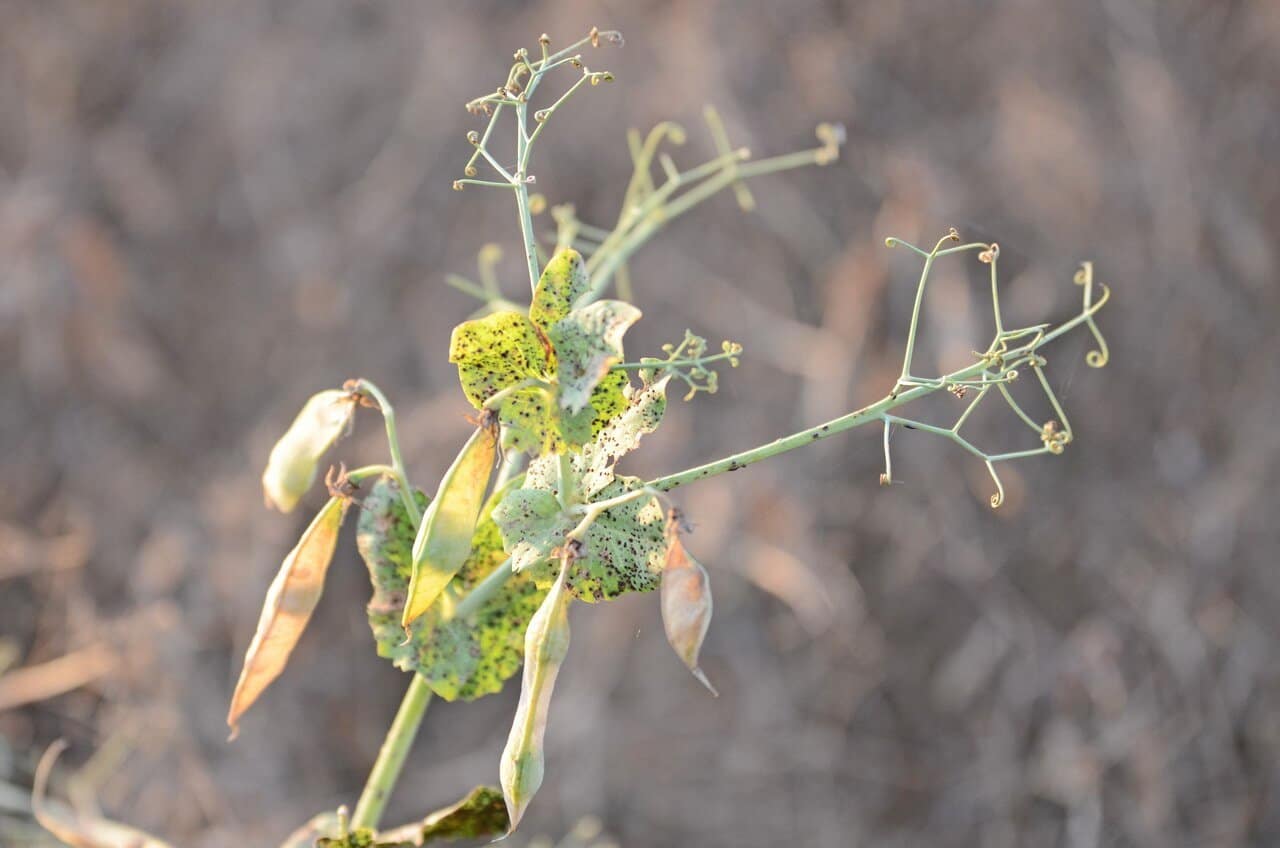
<point>545,647</point>
<point>587,342</point>
<point>291,599</point>
<point>292,466</point>
<point>563,281</point>
<point>496,352</point>
<point>686,605</point>
<point>444,540</point>
<point>78,830</point>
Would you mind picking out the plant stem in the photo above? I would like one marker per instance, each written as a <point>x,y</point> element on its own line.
<point>393,444</point>
<point>395,748</point>
<point>867,414</point>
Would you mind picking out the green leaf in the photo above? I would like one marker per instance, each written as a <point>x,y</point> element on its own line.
<point>587,342</point>
<point>481,813</point>
<point>462,659</point>
<point>496,352</point>
<point>563,281</point>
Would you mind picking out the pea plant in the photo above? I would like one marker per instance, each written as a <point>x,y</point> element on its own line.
<point>473,582</point>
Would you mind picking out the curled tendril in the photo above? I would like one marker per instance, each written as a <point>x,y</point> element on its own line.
<point>997,498</point>
<point>999,365</point>
<point>1084,277</point>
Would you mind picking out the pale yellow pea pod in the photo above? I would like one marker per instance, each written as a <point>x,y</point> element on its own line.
<point>546,643</point>
<point>686,606</point>
<point>443,542</point>
<point>291,599</point>
<point>295,459</point>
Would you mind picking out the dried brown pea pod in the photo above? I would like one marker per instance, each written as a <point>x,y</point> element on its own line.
<point>291,599</point>
<point>686,602</point>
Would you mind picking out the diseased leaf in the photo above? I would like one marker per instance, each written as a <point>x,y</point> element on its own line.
<point>621,436</point>
<point>546,644</point>
<point>291,599</point>
<point>481,813</point>
<point>294,461</point>
<point>623,550</point>
<point>359,838</point>
<point>608,400</point>
<point>496,352</point>
<point>594,465</point>
<point>563,281</point>
<point>532,423</point>
<point>444,540</point>
<point>384,536</point>
<point>493,634</point>
<point>76,830</point>
<point>686,605</point>
<point>532,525</point>
<point>587,342</point>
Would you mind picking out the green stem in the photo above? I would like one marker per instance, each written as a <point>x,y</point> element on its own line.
<point>720,173</point>
<point>395,748</point>
<point>671,364</point>
<point>867,414</point>
<point>393,444</point>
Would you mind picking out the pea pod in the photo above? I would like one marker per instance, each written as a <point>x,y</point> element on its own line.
<point>292,466</point>
<point>546,643</point>
<point>291,599</point>
<point>444,539</point>
<point>686,605</point>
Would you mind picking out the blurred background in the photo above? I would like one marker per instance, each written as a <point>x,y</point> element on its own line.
<point>209,211</point>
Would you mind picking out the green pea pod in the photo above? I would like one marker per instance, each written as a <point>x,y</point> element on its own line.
<point>545,644</point>
<point>686,606</point>
<point>291,599</point>
<point>292,466</point>
<point>444,539</point>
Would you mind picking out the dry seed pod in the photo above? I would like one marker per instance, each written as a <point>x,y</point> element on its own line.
<point>686,605</point>
<point>292,597</point>
<point>545,644</point>
<point>82,830</point>
<point>444,539</point>
<point>292,466</point>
